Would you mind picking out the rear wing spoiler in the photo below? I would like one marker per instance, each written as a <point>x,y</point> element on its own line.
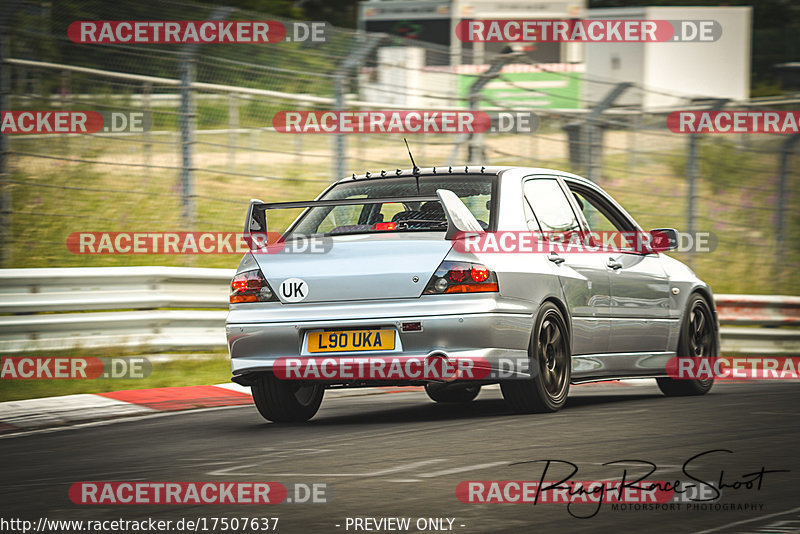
<point>459,218</point>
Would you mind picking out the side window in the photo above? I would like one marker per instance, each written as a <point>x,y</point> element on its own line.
<point>598,222</point>
<point>480,206</point>
<point>603,225</point>
<point>551,206</point>
<point>530,218</point>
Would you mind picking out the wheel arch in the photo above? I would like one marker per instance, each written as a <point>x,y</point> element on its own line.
<point>706,294</point>
<point>562,307</point>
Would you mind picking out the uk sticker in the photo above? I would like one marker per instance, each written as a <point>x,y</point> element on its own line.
<point>293,290</point>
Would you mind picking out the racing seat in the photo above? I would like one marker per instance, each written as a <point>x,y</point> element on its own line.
<point>427,213</point>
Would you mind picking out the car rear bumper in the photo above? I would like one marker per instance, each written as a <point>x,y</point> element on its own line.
<point>487,328</point>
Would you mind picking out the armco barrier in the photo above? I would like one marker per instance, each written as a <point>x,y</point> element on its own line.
<point>171,308</point>
<point>758,310</point>
<point>755,322</point>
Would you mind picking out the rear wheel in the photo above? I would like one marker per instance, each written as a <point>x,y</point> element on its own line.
<point>550,363</point>
<point>448,393</point>
<point>286,401</point>
<point>698,339</point>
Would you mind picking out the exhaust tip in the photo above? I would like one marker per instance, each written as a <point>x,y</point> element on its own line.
<point>444,366</point>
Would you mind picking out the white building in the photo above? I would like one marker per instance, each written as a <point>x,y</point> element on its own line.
<point>718,69</point>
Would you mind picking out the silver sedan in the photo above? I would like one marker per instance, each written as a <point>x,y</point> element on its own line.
<point>457,278</point>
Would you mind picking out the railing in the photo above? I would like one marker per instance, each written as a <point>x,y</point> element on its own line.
<point>755,322</point>
<point>155,308</point>
<point>172,308</point>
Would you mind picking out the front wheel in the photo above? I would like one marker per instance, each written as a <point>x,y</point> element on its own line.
<point>286,401</point>
<point>550,364</point>
<point>448,393</point>
<point>698,339</point>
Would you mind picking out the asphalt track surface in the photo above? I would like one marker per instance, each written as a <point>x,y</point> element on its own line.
<point>401,455</point>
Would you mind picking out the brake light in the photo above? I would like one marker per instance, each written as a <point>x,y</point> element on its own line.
<point>385,226</point>
<point>479,273</point>
<point>461,277</point>
<point>251,286</point>
<point>457,275</point>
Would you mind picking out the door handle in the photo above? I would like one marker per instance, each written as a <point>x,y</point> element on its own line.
<point>555,258</point>
<point>614,264</point>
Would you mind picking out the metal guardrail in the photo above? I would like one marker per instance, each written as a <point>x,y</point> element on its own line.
<point>772,312</point>
<point>759,310</point>
<point>171,308</point>
<point>155,308</point>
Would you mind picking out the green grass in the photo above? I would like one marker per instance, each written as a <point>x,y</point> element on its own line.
<point>212,368</point>
<point>736,193</point>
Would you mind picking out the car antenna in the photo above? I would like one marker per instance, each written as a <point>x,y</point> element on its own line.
<point>415,170</point>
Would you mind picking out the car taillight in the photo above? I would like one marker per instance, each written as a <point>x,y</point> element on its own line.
<point>251,286</point>
<point>461,277</point>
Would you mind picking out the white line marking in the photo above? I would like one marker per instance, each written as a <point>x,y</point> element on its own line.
<point>133,408</point>
<point>461,469</point>
<point>229,470</point>
<point>33,414</point>
<point>107,422</point>
<point>397,469</point>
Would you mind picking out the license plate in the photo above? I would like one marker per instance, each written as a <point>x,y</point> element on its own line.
<point>350,340</point>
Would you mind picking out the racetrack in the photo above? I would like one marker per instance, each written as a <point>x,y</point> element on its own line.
<point>401,455</point>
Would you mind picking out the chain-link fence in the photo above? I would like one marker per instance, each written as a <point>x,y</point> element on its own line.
<point>211,146</point>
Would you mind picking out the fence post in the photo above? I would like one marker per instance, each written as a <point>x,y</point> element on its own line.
<point>691,172</point>
<point>364,46</point>
<point>634,125</point>
<point>298,146</point>
<point>5,185</point>
<point>188,118</point>
<point>252,141</point>
<point>187,126</point>
<point>593,137</point>
<point>233,127</point>
<point>475,152</point>
<point>147,147</point>
<point>785,157</point>
<point>63,103</point>
<point>340,148</point>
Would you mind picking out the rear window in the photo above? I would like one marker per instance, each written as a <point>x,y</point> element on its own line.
<point>476,192</point>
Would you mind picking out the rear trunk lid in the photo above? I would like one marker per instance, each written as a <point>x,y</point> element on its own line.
<point>357,267</point>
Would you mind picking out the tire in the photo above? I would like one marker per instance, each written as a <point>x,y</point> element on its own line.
<point>549,354</point>
<point>285,401</point>
<point>696,340</point>
<point>447,393</point>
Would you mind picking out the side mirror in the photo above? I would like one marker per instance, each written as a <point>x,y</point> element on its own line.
<point>663,239</point>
